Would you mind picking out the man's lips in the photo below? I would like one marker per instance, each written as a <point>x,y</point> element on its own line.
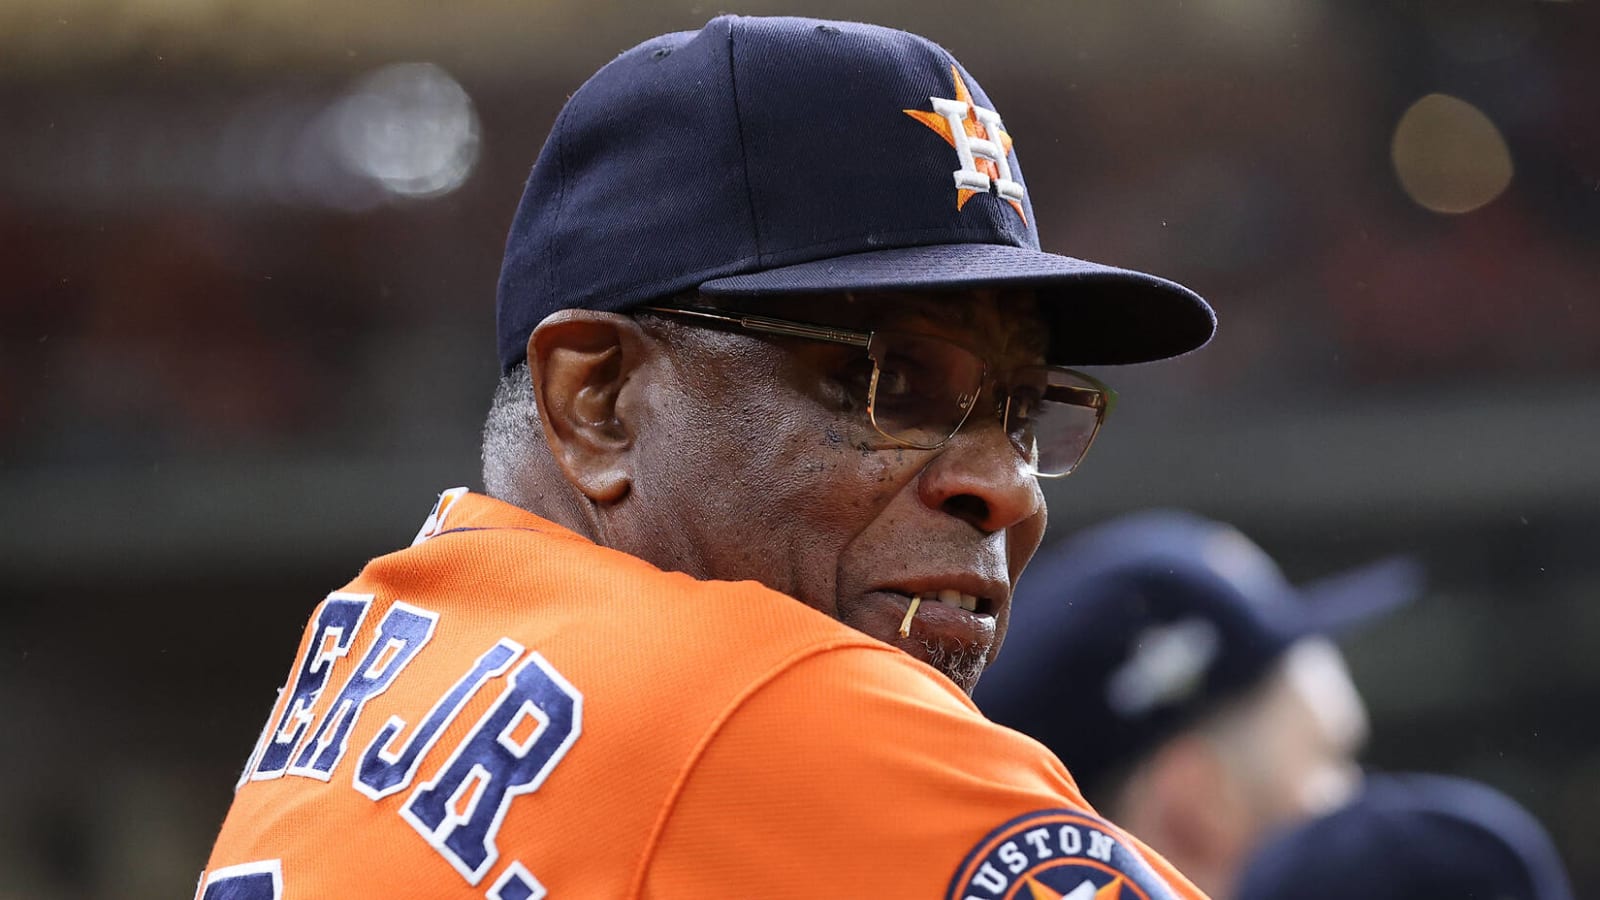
<point>934,621</point>
<point>974,593</point>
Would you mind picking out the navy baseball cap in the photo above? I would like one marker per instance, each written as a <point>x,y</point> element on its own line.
<point>1412,837</point>
<point>767,156</point>
<point>1130,631</point>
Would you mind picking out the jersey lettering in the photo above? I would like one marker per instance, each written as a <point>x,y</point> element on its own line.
<point>403,632</point>
<point>510,752</point>
<point>383,771</point>
<point>249,881</point>
<point>516,883</point>
<point>337,621</point>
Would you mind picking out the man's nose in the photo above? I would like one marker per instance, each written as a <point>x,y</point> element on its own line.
<point>981,478</point>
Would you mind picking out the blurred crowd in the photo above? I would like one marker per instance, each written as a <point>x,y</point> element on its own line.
<point>160,301</point>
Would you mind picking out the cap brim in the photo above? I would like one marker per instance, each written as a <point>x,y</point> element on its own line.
<point>1100,315</point>
<point>1340,603</point>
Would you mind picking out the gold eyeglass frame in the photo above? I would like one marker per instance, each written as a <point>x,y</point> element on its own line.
<point>1102,398</point>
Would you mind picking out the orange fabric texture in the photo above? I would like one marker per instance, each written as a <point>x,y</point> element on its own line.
<point>618,731</point>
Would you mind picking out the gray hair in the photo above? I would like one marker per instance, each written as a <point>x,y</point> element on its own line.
<point>510,432</point>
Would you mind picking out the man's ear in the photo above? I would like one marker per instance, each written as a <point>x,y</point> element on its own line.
<point>579,361</point>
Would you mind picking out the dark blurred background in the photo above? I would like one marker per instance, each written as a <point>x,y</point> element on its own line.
<point>248,254</point>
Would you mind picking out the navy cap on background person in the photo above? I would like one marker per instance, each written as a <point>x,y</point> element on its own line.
<point>781,156</point>
<point>1193,692</point>
<point>1127,632</point>
<point>1413,837</point>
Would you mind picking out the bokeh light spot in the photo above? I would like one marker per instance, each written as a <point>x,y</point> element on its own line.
<point>411,128</point>
<point>1449,156</point>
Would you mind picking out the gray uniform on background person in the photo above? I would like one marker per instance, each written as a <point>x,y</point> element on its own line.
<point>1193,692</point>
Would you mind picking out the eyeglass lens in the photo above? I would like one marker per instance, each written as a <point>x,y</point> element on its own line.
<point>924,388</point>
<point>1052,415</point>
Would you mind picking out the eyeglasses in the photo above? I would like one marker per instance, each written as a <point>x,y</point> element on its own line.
<point>923,389</point>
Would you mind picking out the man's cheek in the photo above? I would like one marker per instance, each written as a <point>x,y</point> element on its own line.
<point>885,471</point>
<point>1022,542</point>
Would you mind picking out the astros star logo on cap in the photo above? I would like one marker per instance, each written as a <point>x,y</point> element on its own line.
<point>980,142</point>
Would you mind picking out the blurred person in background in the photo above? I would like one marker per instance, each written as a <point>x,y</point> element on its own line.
<point>1412,837</point>
<point>1192,691</point>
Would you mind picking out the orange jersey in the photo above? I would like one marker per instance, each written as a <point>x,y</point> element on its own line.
<point>507,710</point>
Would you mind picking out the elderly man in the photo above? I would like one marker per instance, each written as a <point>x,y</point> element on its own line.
<point>782,365</point>
<point>1193,692</point>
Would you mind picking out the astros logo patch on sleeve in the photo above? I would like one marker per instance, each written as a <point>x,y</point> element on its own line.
<point>1056,854</point>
